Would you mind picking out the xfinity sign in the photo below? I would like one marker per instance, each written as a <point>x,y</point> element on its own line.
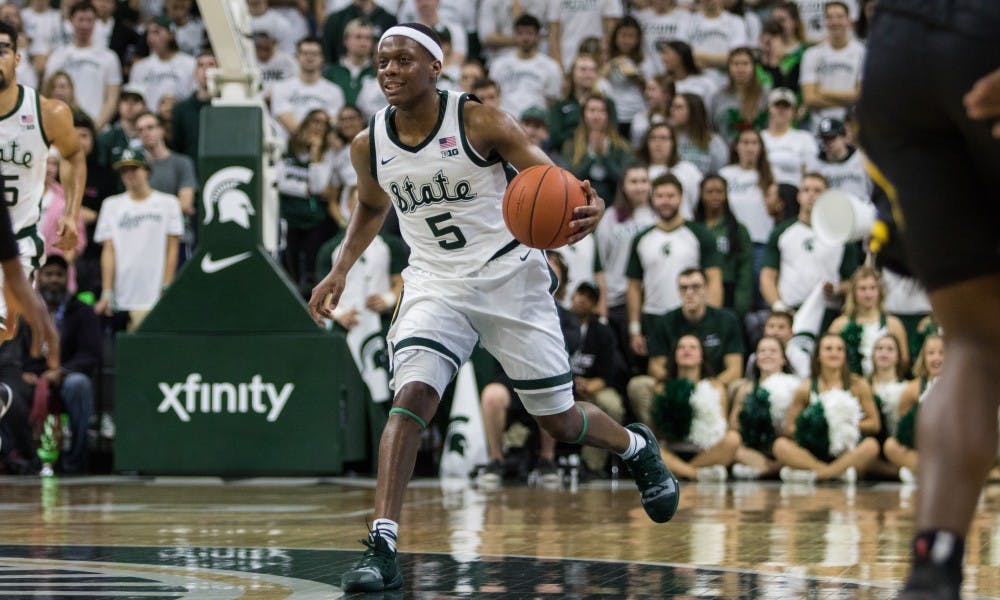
<point>193,396</point>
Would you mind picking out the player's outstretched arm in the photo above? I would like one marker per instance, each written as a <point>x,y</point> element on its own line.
<point>365,223</point>
<point>57,119</point>
<point>492,130</point>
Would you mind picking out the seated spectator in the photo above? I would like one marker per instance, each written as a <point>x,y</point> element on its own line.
<point>488,92</point>
<point>742,104</point>
<point>622,76</point>
<point>336,23</point>
<point>140,230</point>
<point>659,254</point>
<point>831,70</point>
<point>597,367</point>
<point>678,63</point>
<point>658,94</point>
<point>864,320</point>
<point>187,113</point>
<point>752,197</point>
<point>842,164</point>
<point>777,324</point>
<point>471,72</point>
<point>526,76</point>
<point>659,152</point>
<point>80,354</point>
<point>716,328</point>
<point>275,65</point>
<point>831,425</point>
<point>731,240</point>
<point>796,261</point>
<point>581,83</point>
<point>534,122</point>
<point>759,409</point>
<point>699,446</point>
<point>597,152</point>
<point>95,70</point>
<point>303,192</point>
<point>53,207</point>
<point>188,29</point>
<point>309,91</point>
<point>355,66</point>
<point>629,214</point>
<point>901,448</point>
<point>780,63</point>
<point>695,141</point>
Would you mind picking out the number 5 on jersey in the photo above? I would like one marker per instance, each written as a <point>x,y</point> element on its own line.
<point>447,232</point>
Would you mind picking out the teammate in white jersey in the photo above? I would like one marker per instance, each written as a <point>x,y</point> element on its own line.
<point>30,123</point>
<point>438,157</point>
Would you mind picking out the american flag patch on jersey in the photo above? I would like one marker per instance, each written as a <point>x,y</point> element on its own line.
<point>447,142</point>
<point>27,119</point>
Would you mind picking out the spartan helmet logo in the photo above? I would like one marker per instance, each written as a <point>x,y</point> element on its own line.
<point>222,194</point>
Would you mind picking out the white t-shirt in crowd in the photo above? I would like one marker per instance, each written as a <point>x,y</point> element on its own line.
<point>581,19</point>
<point>832,69</point>
<point>390,6</point>
<point>526,82</point>
<point>91,68</point>
<point>811,13</point>
<point>190,36</point>
<point>138,231</point>
<point>43,29</point>
<point>298,98</point>
<point>789,154</point>
<point>459,12</point>
<point>280,68</point>
<point>581,266</point>
<point>657,27</point>
<point>717,35</point>
<point>614,245</point>
<point>746,200</point>
<point>159,78</point>
<point>495,18</point>
<point>848,175</point>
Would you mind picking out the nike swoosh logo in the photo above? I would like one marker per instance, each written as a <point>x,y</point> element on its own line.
<point>214,266</point>
<point>525,257</point>
<point>386,161</point>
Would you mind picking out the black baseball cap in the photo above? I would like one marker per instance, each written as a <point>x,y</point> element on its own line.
<point>829,128</point>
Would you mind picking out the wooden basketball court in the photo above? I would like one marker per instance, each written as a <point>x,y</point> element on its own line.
<point>204,538</point>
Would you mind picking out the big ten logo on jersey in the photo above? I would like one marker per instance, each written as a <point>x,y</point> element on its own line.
<point>449,147</point>
<point>223,196</point>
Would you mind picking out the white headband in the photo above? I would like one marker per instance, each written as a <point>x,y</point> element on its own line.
<point>417,36</point>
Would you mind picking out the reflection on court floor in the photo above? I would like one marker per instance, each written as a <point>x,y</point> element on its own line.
<point>263,538</point>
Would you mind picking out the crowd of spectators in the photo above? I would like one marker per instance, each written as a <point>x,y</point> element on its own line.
<point>708,126</point>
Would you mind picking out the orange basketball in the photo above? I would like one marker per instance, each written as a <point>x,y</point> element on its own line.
<point>539,203</point>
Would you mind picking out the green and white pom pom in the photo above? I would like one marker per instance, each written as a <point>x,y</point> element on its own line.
<point>686,412</point>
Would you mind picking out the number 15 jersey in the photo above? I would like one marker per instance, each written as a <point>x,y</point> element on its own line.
<point>448,197</point>
<point>23,157</point>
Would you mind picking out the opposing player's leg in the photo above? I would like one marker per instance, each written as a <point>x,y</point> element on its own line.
<point>943,167</point>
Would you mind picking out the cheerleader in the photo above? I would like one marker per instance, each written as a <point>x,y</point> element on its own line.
<point>901,448</point>
<point>690,416</point>
<point>759,410</point>
<point>864,320</point>
<point>829,415</point>
<point>888,379</point>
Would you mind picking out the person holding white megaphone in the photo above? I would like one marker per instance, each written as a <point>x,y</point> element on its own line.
<point>797,259</point>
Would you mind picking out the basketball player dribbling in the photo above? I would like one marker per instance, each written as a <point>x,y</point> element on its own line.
<point>928,114</point>
<point>29,124</point>
<point>438,157</point>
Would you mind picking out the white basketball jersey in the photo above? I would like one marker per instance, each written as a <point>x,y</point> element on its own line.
<point>23,155</point>
<point>448,197</point>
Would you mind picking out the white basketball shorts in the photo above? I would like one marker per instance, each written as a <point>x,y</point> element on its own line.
<point>508,306</point>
